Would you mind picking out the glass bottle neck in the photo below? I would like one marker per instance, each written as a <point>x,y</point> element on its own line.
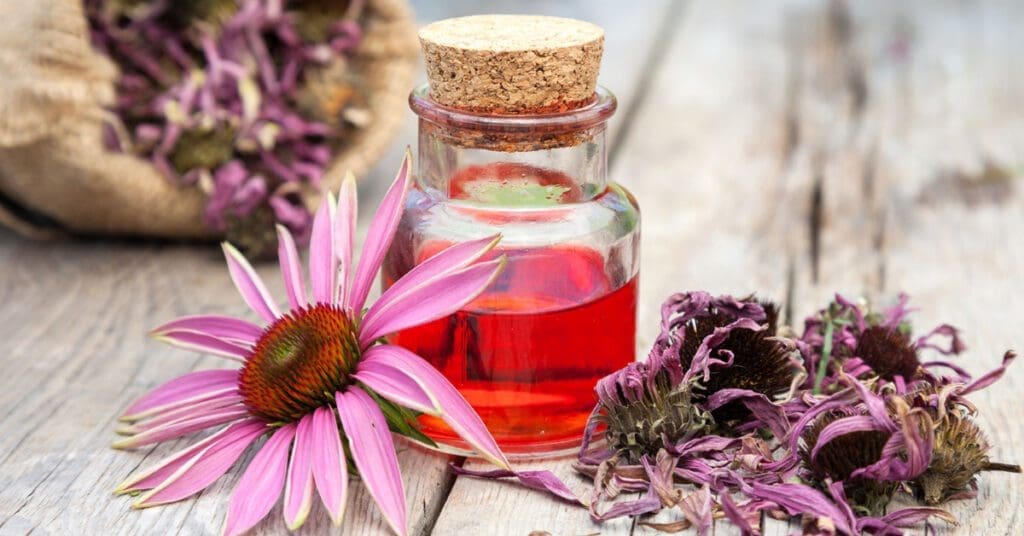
<point>514,161</point>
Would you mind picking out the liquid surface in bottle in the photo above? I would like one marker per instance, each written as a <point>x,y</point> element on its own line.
<point>528,352</point>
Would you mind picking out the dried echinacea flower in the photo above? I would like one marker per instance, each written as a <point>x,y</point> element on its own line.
<point>213,12</point>
<point>215,92</point>
<point>643,411</point>
<point>960,450</point>
<point>253,232</point>
<point>886,423</point>
<point>889,352</point>
<point>849,338</point>
<point>328,93</point>
<point>708,347</point>
<point>313,18</point>
<point>203,148</point>
<point>959,454</point>
<point>837,460</point>
<point>658,433</point>
<point>758,361</point>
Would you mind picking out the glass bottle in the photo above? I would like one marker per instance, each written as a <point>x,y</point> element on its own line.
<point>528,352</point>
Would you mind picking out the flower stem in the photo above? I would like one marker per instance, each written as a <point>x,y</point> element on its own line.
<point>826,355</point>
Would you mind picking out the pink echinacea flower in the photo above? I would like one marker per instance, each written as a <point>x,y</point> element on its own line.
<point>313,379</point>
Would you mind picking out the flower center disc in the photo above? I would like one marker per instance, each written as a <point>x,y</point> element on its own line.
<point>299,363</point>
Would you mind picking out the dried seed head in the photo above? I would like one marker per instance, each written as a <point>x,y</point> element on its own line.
<point>959,453</point>
<point>644,426</point>
<point>253,233</point>
<point>839,458</point>
<point>199,148</point>
<point>313,18</point>
<point>213,12</point>
<point>889,352</point>
<point>771,314</point>
<point>299,363</point>
<point>760,362</point>
<point>328,91</point>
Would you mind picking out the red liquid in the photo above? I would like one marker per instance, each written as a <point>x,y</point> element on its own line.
<point>528,352</point>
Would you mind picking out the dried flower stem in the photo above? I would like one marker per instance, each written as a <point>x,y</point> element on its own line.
<point>826,355</point>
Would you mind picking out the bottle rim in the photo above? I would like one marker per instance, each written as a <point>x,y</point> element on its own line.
<point>596,111</point>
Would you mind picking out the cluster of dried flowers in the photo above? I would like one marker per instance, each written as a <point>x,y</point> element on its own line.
<point>828,426</point>
<point>246,98</point>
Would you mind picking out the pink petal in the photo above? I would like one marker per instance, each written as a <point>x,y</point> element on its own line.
<point>397,387</point>
<point>770,414</point>
<point>908,517</point>
<point>198,398</point>
<point>992,376</point>
<point>260,486</point>
<point>344,234</point>
<point>330,471</point>
<point>379,236</point>
<point>222,327</point>
<point>204,467</point>
<point>539,480</point>
<point>184,387</point>
<point>874,403</point>
<point>195,409</point>
<point>798,499</point>
<point>298,491</point>
<point>291,268</point>
<point>249,284</point>
<point>153,475</point>
<point>459,415</point>
<point>443,264</point>
<point>436,299</point>
<point>182,427</point>
<point>204,344</point>
<point>323,264</point>
<point>374,454</point>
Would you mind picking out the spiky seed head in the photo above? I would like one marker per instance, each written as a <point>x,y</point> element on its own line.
<point>959,453</point>
<point>839,458</point>
<point>642,427</point>
<point>760,362</point>
<point>313,18</point>
<point>889,352</point>
<point>254,233</point>
<point>214,13</point>
<point>299,363</point>
<point>201,148</point>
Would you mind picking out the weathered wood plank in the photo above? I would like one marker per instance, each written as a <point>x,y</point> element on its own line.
<point>897,113</point>
<point>953,164</point>
<point>834,220</point>
<point>67,383</point>
<point>772,151</point>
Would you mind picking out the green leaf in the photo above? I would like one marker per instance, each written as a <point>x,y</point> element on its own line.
<point>402,421</point>
<point>826,355</point>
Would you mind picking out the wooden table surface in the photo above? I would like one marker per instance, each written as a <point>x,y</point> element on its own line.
<point>796,149</point>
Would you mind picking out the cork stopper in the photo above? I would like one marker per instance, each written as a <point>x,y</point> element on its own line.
<point>512,64</point>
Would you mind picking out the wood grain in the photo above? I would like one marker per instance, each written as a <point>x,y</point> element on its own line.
<point>908,190</point>
<point>794,149</point>
<point>85,357</point>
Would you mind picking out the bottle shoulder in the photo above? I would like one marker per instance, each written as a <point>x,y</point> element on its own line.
<point>606,217</point>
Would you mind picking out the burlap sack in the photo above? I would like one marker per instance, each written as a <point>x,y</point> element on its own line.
<point>55,175</point>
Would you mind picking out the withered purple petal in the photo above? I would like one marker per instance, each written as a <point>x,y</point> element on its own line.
<point>539,480</point>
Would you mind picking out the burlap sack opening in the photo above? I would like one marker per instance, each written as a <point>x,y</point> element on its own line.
<point>55,175</point>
